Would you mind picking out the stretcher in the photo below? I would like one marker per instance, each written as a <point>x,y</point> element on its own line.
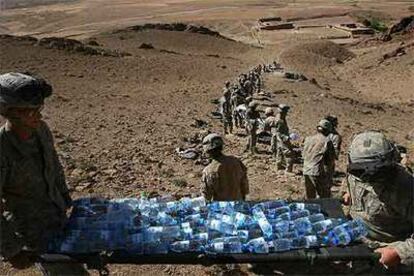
<point>330,207</point>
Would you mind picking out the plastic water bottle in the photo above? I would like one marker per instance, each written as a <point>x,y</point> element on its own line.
<point>258,245</point>
<point>201,237</point>
<point>281,227</point>
<point>263,223</point>
<point>225,245</point>
<point>274,213</point>
<point>270,204</point>
<point>311,207</point>
<point>304,242</point>
<point>213,234</point>
<point>195,220</point>
<point>197,202</point>
<point>325,225</point>
<point>222,227</point>
<point>285,216</point>
<point>255,233</point>
<point>339,236</point>
<point>222,206</point>
<point>243,235</point>
<point>187,246</point>
<point>165,220</point>
<point>281,245</point>
<point>290,235</point>
<point>187,233</point>
<point>156,233</point>
<point>222,217</point>
<point>242,207</point>
<point>241,220</point>
<point>299,214</point>
<point>316,217</point>
<point>303,225</point>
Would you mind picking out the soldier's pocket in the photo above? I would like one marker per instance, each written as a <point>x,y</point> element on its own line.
<point>358,199</point>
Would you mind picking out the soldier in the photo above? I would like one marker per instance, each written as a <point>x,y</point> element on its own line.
<point>284,153</point>
<point>248,87</point>
<point>236,100</point>
<point>226,110</point>
<point>381,192</point>
<point>270,125</point>
<point>252,117</point>
<point>33,192</point>
<point>225,178</point>
<point>336,139</point>
<point>318,153</point>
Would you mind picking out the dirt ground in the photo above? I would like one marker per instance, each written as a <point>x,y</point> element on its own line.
<point>118,119</point>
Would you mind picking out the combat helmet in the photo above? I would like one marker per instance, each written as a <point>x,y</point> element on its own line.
<point>283,108</point>
<point>369,152</point>
<point>22,90</point>
<point>253,104</point>
<point>325,125</point>
<point>212,141</point>
<point>269,111</point>
<point>333,119</point>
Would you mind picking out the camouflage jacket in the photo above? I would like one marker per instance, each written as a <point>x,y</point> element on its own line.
<point>318,155</point>
<point>225,179</point>
<point>336,141</point>
<point>270,124</point>
<point>252,117</point>
<point>387,208</point>
<point>33,190</point>
<point>226,108</point>
<point>282,131</point>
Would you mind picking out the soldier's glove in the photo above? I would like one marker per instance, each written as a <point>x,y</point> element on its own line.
<point>23,260</point>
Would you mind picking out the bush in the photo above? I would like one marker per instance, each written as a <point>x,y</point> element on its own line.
<point>378,25</point>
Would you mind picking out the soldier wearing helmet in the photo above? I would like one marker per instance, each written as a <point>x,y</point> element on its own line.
<point>33,192</point>
<point>336,139</point>
<point>252,122</point>
<point>381,192</point>
<point>236,100</point>
<point>226,110</point>
<point>284,150</point>
<point>270,125</point>
<point>318,154</point>
<point>225,178</point>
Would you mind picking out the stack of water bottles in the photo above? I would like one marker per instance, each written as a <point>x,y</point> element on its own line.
<point>162,225</point>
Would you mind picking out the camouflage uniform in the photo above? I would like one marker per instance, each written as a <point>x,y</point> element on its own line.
<point>236,100</point>
<point>270,124</point>
<point>225,179</point>
<point>318,153</point>
<point>248,88</point>
<point>252,116</point>
<point>33,189</point>
<point>226,111</point>
<point>336,141</point>
<point>383,198</point>
<point>32,184</point>
<point>284,153</point>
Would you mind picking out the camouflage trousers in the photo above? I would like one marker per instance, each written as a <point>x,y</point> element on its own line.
<point>251,130</point>
<point>228,125</point>
<point>273,145</point>
<point>317,185</point>
<point>284,159</point>
<point>237,119</point>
